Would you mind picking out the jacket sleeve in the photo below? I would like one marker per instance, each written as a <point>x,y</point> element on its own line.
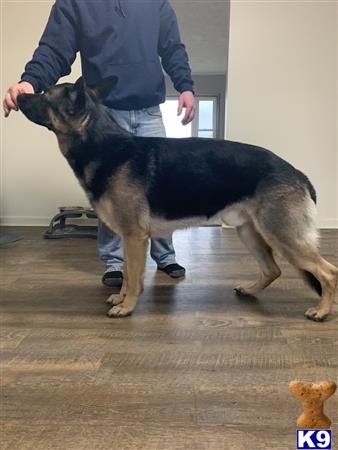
<point>57,47</point>
<point>173,55</point>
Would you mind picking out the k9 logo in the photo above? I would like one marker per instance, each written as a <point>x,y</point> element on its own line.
<point>313,439</point>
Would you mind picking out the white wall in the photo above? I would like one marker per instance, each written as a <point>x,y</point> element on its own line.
<point>35,178</point>
<point>282,87</point>
<point>282,95</point>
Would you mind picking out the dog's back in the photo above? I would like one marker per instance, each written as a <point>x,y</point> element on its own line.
<point>195,177</point>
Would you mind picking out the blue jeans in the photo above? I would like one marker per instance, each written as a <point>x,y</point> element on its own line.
<point>143,122</point>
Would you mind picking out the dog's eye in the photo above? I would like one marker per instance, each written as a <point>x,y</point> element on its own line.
<point>71,111</point>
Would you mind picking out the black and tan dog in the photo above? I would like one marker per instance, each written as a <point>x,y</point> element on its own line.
<point>142,187</point>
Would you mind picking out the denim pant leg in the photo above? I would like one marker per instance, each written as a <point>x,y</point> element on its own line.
<point>144,122</point>
<point>110,247</point>
<point>150,123</point>
<point>109,243</point>
<point>162,251</point>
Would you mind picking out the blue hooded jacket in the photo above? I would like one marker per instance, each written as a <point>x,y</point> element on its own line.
<point>126,38</point>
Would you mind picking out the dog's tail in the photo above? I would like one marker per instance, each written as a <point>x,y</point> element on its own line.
<point>312,281</point>
<point>309,186</point>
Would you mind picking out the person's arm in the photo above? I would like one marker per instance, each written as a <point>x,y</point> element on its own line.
<point>175,60</point>
<point>53,57</point>
<point>57,47</point>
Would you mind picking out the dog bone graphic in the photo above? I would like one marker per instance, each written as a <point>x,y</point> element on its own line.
<point>313,396</point>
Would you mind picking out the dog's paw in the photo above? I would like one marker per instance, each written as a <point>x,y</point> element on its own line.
<point>240,290</point>
<point>115,299</point>
<point>120,311</point>
<point>316,314</point>
<point>243,291</point>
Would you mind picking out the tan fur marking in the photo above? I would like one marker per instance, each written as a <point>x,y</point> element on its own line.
<point>262,252</point>
<point>89,171</point>
<point>71,125</point>
<point>124,207</point>
<point>59,125</point>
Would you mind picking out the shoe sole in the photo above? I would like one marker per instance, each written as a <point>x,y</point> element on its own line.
<point>176,274</point>
<point>117,282</point>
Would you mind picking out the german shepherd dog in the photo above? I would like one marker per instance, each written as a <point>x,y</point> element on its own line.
<point>150,186</point>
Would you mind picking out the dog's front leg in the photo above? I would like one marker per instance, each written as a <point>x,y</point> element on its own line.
<point>135,250</point>
<point>116,299</point>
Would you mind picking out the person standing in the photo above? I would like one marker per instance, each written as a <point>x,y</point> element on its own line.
<point>133,40</point>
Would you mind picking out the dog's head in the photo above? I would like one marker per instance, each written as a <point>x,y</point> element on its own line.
<point>65,108</point>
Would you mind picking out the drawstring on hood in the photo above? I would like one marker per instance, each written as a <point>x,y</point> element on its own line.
<point>119,9</point>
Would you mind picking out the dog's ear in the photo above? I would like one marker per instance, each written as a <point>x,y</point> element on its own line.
<point>78,97</point>
<point>80,84</point>
<point>104,87</point>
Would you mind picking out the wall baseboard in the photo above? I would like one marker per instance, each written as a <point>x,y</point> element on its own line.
<point>25,221</point>
<point>324,223</point>
<point>328,223</point>
<point>17,221</point>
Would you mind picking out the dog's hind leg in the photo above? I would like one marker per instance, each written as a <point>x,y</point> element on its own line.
<point>135,249</point>
<point>287,222</point>
<point>319,274</point>
<point>262,252</point>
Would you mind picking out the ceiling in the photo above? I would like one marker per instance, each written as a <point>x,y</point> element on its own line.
<point>204,28</point>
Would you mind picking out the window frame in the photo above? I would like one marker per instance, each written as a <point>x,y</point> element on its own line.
<point>216,114</point>
<point>194,125</point>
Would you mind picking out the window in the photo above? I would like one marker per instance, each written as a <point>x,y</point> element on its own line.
<point>204,124</point>
<point>172,121</point>
<point>206,118</point>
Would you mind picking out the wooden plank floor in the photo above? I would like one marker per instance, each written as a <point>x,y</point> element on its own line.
<point>195,367</point>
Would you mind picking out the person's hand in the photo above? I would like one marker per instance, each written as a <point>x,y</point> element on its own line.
<point>186,100</point>
<point>10,102</point>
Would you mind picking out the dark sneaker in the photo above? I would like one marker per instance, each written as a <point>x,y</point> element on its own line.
<point>173,270</point>
<point>112,278</point>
